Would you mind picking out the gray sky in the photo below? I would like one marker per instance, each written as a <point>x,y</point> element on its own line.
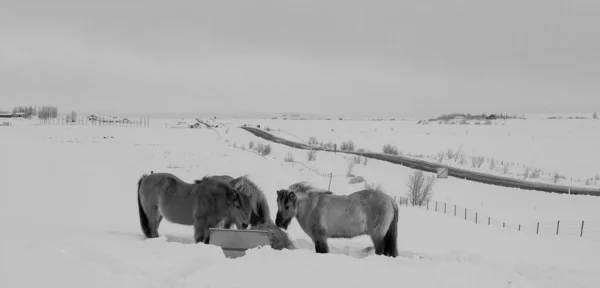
<point>386,58</point>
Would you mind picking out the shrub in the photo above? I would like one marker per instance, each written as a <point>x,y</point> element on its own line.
<point>390,149</point>
<point>289,157</point>
<point>350,168</point>
<point>440,156</point>
<point>356,180</point>
<point>251,145</point>
<point>312,155</point>
<point>355,159</point>
<point>263,149</point>
<point>526,172</point>
<point>72,117</point>
<point>492,164</point>
<point>450,153</point>
<point>505,168</point>
<point>463,159</point>
<point>536,173</point>
<point>312,140</point>
<point>364,159</point>
<point>555,177</point>
<point>477,161</point>
<point>328,145</point>
<point>420,187</point>
<point>347,146</point>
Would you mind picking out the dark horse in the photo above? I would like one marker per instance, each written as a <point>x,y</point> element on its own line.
<point>261,214</point>
<point>202,204</point>
<point>321,214</point>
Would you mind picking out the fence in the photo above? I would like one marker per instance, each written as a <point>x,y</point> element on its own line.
<point>67,119</point>
<point>588,230</point>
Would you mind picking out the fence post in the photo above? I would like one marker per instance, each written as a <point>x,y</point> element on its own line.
<point>537,231</point>
<point>454,210</point>
<point>519,227</point>
<point>435,206</point>
<point>488,220</point>
<point>475,217</point>
<point>503,225</point>
<point>330,176</point>
<point>557,225</point>
<point>427,204</point>
<point>335,148</point>
<point>581,233</point>
<point>465,213</point>
<point>444,207</point>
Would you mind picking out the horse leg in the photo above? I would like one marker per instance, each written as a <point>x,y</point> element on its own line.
<point>158,220</point>
<point>379,244</point>
<point>320,240</point>
<point>200,230</point>
<point>154,218</point>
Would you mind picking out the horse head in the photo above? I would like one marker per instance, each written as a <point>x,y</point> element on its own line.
<point>240,207</point>
<point>287,208</point>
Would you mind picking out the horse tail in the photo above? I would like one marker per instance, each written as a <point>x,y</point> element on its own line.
<point>144,223</point>
<point>390,240</point>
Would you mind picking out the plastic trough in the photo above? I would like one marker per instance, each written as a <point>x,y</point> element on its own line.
<point>235,242</point>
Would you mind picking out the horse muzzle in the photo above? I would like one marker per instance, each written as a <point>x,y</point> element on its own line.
<point>279,222</point>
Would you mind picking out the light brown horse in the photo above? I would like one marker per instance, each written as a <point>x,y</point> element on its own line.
<point>202,204</point>
<point>321,214</point>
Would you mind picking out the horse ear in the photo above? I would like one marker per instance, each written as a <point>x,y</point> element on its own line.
<point>232,194</point>
<point>293,196</point>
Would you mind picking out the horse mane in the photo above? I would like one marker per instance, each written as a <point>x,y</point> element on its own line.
<point>259,203</point>
<point>306,188</point>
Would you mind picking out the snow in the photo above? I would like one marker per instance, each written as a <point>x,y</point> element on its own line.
<point>70,218</point>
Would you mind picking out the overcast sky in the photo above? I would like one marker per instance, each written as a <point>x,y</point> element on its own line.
<point>387,58</point>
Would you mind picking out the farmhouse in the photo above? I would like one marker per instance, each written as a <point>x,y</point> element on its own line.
<point>11,115</point>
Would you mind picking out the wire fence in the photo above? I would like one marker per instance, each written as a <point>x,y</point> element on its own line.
<point>312,169</point>
<point>582,229</point>
<point>93,120</point>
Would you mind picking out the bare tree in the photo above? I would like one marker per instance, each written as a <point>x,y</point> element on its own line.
<point>420,187</point>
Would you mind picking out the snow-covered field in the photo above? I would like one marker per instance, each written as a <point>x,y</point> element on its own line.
<point>566,147</point>
<point>70,218</point>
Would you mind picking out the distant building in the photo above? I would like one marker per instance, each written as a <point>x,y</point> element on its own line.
<point>11,115</point>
